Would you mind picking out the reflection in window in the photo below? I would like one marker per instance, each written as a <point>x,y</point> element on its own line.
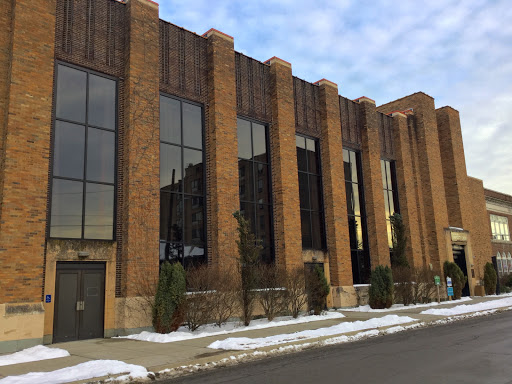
<point>181,183</point>
<point>310,193</point>
<point>390,195</point>
<point>254,183</point>
<point>356,217</point>
<point>84,155</point>
<point>499,228</point>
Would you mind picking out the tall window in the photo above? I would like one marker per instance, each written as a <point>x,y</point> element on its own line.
<point>310,192</point>
<point>84,155</point>
<point>254,182</point>
<point>356,217</point>
<point>390,194</point>
<point>499,228</point>
<point>182,214</point>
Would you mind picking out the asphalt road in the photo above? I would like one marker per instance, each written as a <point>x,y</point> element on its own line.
<point>471,351</point>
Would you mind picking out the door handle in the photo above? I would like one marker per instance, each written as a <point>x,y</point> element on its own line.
<point>80,305</point>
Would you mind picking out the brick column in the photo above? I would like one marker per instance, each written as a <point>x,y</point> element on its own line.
<point>221,149</point>
<point>454,167</point>
<point>373,188</point>
<point>333,178</point>
<point>285,182</point>
<point>27,47</point>
<point>430,171</point>
<point>406,188</point>
<point>141,148</point>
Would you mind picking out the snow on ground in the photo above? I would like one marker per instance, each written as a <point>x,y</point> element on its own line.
<point>245,343</point>
<point>84,371</point>
<point>39,352</point>
<point>212,330</point>
<point>400,307</point>
<point>461,309</point>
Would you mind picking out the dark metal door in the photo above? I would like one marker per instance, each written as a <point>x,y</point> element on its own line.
<point>459,257</point>
<point>79,301</point>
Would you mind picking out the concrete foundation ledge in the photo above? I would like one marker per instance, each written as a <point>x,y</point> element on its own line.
<point>11,346</point>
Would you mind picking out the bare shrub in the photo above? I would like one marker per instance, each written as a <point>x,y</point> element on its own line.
<point>402,277</point>
<point>225,300</point>
<point>199,296</point>
<point>424,288</point>
<point>296,294</point>
<point>272,294</point>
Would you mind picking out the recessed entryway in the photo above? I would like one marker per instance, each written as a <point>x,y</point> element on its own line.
<point>79,301</point>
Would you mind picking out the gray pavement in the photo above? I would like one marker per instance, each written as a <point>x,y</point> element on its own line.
<point>158,356</point>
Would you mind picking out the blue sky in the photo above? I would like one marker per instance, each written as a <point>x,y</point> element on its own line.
<point>459,52</point>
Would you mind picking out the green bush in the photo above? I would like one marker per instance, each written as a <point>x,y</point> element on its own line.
<point>490,279</point>
<point>318,289</point>
<point>458,279</point>
<point>381,287</point>
<point>168,311</point>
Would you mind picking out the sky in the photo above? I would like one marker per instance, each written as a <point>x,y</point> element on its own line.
<point>459,52</point>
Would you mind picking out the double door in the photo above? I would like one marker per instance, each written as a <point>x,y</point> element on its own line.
<point>79,301</point>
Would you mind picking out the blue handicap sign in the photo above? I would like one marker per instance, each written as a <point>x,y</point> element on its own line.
<point>450,291</point>
<point>48,298</point>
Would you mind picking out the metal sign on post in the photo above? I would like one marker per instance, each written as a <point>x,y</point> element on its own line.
<point>450,291</point>
<point>448,281</point>
<point>449,286</point>
<point>437,281</point>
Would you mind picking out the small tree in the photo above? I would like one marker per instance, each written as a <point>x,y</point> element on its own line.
<point>169,298</point>
<point>318,289</point>
<point>249,257</point>
<point>490,279</point>
<point>225,300</point>
<point>198,302</point>
<point>398,257</point>
<point>458,279</point>
<point>296,293</point>
<point>424,287</point>
<point>381,287</point>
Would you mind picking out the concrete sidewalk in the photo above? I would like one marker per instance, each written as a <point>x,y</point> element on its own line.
<point>159,356</point>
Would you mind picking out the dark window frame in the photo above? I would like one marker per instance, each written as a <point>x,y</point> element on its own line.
<point>86,126</point>
<point>255,202</point>
<point>182,193</point>
<point>393,191</point>
<point>364,252</point>
<point>321,204</point>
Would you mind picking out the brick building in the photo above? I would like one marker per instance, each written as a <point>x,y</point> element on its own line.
<point>499,208</point>
<point>126,140</point>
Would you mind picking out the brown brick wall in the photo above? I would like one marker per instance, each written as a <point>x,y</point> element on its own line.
<point>26,128</point>
<point>454,167</point>
<point>479,226</point>
<point>373,187</point>
<point>406,185</point>
<point>387,142</point>
<point>285,183</point>
<point>307,113</point>
<point>221,150</point>
<point>333,180</point>
<point>253,98</point>
<point>430,171</point>
<point>350,123</point>
<point>141,145</point>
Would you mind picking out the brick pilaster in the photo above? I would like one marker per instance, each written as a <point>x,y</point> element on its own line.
<point>141,146</point>
<point>430,171</point>
<point>27,49</point>
<point>407,188</point>
<point>333,178</point>
<point>221,149</point>
<point>373,188</point>
<point>454,167</point>
<point>285,182</point>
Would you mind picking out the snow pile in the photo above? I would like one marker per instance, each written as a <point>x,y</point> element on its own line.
<point>212,330</point>
<point>39,352</point>
<point>84,371</point>
<point>400,307</point>
<point>461,309</point>
<point>245,343</point>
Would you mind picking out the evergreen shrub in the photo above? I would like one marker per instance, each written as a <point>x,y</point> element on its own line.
<point>168,309</point>
<point>458,279</point>
<point>490,279</point>
<point>381,288</point>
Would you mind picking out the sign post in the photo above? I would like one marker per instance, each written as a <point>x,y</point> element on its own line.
<point>437,281</point>
<point>449,287</point>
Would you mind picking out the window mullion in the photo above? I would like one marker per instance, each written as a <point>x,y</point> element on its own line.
<point>85,152</point>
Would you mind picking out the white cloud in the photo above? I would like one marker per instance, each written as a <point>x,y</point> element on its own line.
<point>457,51</point>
